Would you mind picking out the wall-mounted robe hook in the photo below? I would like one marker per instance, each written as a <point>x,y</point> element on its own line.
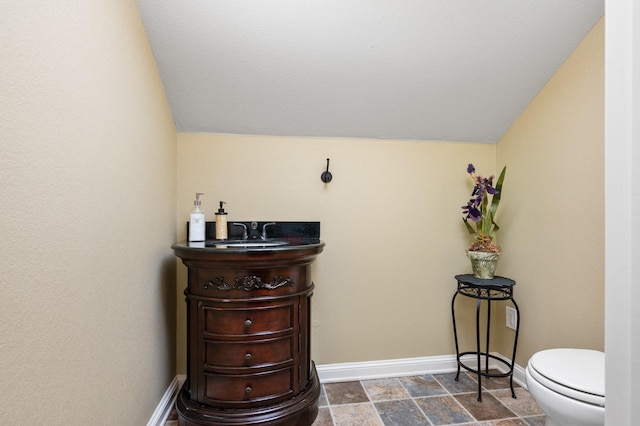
<point>326,175</point>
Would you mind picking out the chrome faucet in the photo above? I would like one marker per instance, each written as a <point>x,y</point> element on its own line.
<point>254,234</point>
<point>264,229</point>
<point>244,233</point>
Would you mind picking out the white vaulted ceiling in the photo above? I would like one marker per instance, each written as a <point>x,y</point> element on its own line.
<point>451,70</point>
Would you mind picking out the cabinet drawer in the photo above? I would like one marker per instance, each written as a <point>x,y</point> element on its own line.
<point>248,388</point>
<point>226,321</point>
<point>248,354</point>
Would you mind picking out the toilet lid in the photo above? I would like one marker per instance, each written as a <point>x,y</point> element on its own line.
<point>576,373</point>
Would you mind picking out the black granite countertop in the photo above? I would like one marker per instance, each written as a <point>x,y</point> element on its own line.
<point>236,246</point>
<point>283,236</point>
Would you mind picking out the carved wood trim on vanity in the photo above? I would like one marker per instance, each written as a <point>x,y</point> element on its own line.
<point>248,283</point>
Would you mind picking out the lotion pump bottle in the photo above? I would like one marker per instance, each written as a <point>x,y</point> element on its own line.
<point>197,221</point>
<point>221,223</point>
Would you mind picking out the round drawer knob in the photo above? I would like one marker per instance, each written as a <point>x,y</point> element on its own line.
<point>248,357</point>
<point>248,323</point>
<point>247,390</point>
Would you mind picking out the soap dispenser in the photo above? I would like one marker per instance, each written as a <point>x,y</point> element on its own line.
<point>221,223</point>
<point>197,221</point>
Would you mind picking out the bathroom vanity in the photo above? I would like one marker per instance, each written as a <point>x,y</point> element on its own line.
<point>248,332</point>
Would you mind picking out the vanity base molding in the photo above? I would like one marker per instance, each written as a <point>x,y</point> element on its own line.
<point>299,411</point>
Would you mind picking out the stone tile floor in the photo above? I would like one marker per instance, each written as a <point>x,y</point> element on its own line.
<point>430,399</point>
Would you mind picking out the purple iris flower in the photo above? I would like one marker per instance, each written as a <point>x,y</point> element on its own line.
<point>471,211</point>
<point>483,186</point>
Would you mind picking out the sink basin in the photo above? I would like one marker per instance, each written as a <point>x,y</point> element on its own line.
<point>248,243</point>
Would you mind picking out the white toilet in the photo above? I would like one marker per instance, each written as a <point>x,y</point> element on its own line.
<point>568,385</point>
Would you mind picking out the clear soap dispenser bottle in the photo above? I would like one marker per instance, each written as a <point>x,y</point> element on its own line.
<point>221,223</point>
<point>197,221</point>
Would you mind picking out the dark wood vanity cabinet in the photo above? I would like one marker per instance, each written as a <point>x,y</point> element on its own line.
<point>248,337</point>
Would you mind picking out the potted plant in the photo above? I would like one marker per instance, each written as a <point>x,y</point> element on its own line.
<point>479,219</point>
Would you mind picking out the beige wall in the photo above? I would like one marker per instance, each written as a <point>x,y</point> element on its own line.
<point>391,219</point>
<point>87,178</point>
<point>553,214</point>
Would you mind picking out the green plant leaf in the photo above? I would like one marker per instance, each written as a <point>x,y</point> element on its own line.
<point>495,229</point>
<point>495,200</point>
<point>487,223</point>
<point>470,228</point>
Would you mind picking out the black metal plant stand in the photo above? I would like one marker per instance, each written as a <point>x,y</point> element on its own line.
<point>497,288</point>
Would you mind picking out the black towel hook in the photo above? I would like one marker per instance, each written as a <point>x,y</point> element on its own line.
<point>326,176</point>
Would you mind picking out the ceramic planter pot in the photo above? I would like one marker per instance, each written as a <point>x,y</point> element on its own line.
<point>483,264</point>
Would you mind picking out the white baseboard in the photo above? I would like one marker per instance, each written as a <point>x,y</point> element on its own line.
<point>348,371</point>
<point>331,373</point>
<point>343,372</point>
<point>168,400</point>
